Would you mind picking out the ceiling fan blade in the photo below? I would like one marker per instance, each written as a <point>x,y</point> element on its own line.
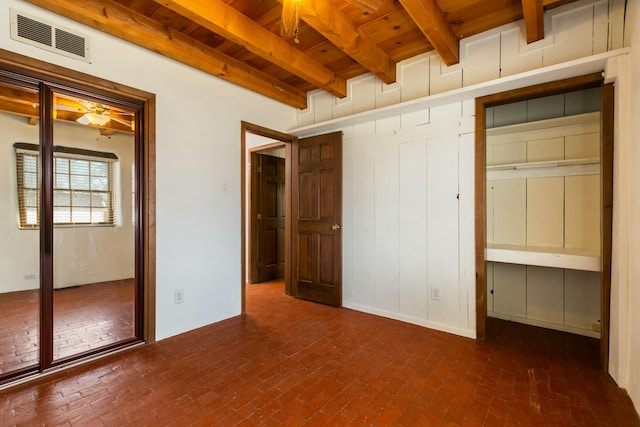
<point>66,103</point>
<point>78,109</point>
<point>87,104</point>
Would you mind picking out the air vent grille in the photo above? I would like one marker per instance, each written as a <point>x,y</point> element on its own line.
<point>68,42</point>
<point>33,30</point>
<point>38,32</point>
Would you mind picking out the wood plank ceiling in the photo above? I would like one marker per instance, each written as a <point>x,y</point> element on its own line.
<point>240,40</point>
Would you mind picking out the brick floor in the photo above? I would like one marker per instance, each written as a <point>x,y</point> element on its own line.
<point>19,333</point>
<point>294,363</point>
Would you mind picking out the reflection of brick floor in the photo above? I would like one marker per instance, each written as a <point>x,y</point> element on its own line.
<point>85,318</point>
<point>19,319</point>
<point>293,363</point>
<point>92,316</point>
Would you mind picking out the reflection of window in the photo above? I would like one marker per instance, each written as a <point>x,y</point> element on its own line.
<point>83,190</point>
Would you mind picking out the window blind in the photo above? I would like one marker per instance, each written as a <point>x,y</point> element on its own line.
<point>84,192</point>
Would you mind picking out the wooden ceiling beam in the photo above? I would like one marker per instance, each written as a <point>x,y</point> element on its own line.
<point>533,12</point>
<point>335,25</point>
<point>19,102</point>
<point>18,108</point>
<point>18,94</point>
<point>115,19</point>
<point>224,20</point>
<point>429,17</point>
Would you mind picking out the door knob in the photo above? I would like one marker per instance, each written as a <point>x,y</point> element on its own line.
<point>335,227</point>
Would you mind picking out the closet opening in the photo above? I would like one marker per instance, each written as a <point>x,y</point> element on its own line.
<point>544,161</point>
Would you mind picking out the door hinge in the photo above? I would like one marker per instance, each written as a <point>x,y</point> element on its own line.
<point>259,169</point>
<point>259,216</point>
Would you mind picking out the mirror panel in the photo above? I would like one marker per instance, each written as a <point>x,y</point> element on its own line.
<point>19,215</point>
<point>94,230</point>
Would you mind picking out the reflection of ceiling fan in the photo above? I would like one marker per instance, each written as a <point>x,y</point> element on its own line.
<point>94,113</point>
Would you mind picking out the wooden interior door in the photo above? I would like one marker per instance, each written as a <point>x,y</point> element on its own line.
<point>317,215</point>
<point>270,217</point>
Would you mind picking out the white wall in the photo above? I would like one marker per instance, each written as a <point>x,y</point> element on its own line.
<point>198,150</point>
<point>625,293</point>
<point>81,254</point>
<point>408,218</point>
<point>20,248</point>
<point>97,254</point>
<point>405,230</point>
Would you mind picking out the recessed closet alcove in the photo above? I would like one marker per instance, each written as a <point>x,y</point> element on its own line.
<point>544,198</point>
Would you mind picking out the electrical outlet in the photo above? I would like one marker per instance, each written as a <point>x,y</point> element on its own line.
<point>178,296</point>
<point>596,327</point>
<point>435,293</point>
<point>29,277</point>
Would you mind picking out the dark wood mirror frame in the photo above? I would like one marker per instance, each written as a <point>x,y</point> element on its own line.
<point>40,70</point>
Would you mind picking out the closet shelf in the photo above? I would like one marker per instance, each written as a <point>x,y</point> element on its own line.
<point>546,124</point>
<point>545,164</point>
<point>571,167</point>
<point>574,259</point>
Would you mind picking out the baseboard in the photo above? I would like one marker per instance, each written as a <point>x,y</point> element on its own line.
<point>411,319</point>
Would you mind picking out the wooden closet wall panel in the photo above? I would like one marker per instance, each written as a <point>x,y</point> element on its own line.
<point>387,228</point>
<point>582,216</point>
<point>413,228</point>
<point>540,150</point>
<point>509,211</point>
<point>510,289</point>
<point>545,212</point>
<point>584,146</point>
<point>510,152</point>
<point>545,294</point>
<point>490,212</point>
<point>443,269</point>
<point>490,290</point>
<point>582,298</point>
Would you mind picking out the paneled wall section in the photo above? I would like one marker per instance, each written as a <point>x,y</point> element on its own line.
<point>408,221</point>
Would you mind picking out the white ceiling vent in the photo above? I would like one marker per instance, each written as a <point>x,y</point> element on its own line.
<point>40,33</point>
